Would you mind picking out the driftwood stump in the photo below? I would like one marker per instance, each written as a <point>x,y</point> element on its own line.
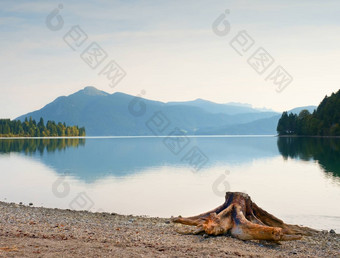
<point>243,219</point>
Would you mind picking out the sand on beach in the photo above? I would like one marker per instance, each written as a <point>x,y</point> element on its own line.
<point>41,232</point>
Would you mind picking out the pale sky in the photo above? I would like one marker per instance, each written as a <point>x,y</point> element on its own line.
<point>168,49</point>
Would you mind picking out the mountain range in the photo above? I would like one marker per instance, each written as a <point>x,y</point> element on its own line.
<point>104,114</point>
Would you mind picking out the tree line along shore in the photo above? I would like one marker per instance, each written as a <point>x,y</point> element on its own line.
<point>324,121</point>
<point>30,128</point>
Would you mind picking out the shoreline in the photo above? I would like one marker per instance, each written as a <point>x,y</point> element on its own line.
<point>40,137</point>
<point>140,136</point>
<point>162,136</point>
<point>30,231</point>
<point>307,136</point>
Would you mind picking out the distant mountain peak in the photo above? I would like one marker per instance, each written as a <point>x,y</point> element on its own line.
<point>202,100</point>
<point>238,104</point>
<point>93,91</point>
<point>102,113</point>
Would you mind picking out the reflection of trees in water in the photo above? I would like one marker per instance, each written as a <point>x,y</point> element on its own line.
<point>324,150</point>
<point>31,146</point>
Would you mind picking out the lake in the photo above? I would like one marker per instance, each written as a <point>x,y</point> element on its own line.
<point>295,179</point>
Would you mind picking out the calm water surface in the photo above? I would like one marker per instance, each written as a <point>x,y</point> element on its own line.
<point>296,179</point>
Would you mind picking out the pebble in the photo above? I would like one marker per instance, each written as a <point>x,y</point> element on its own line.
<point>112,234</point>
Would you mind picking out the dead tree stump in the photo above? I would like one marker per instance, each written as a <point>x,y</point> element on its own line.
<point>243,219</point>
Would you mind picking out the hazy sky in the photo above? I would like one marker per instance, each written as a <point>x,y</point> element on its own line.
<point>169,49</point>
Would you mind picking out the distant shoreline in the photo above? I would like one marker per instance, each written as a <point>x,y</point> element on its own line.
<point>170,136</point>
<point>308,136</point>
<point>140,136</point>
<point>44,137</point>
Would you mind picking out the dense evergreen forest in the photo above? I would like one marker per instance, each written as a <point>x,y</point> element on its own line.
<point>324,121</point>
<point>30,128</point>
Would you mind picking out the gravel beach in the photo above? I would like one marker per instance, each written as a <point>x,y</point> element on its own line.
<point>41,232</point>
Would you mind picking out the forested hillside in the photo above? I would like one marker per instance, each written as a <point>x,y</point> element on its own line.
<point>324,121</point>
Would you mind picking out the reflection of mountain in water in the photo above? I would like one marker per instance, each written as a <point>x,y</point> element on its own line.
<point>32,146</point>
<point>121,157</point>
<point>324,150</point>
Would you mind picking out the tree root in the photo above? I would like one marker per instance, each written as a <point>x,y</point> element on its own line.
<point>243,219</point>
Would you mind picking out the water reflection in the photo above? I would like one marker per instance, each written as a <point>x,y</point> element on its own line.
<point>122,157</point>
<point>32,146</point>
<point>142,176</point>
<point>326,151</point>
